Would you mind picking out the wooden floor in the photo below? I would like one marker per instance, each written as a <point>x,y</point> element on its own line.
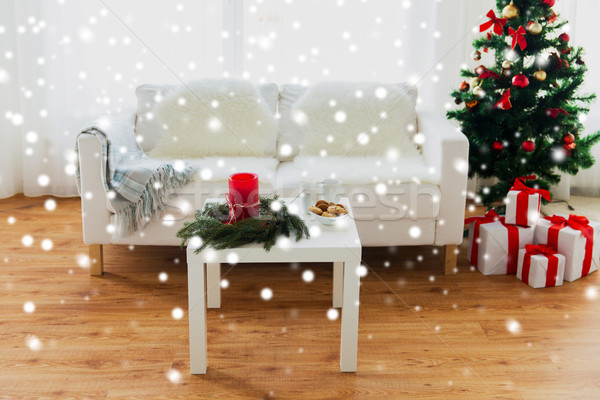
<point>421,334</point>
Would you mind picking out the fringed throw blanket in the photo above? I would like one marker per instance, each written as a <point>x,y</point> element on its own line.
<point>137,187</point>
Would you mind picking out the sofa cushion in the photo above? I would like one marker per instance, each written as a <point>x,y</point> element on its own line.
<point>218,169</point>
<point>348,119</point>
<point>149,129</point>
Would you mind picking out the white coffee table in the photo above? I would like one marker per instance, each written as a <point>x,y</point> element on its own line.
<point>338,244</point>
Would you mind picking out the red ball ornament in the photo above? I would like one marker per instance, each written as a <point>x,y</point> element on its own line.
<point>564,37</point>
<point>520,81</point>
<point>548,3</point>
<point>568,138</point>
<point>528,146</point>
<point>497,145</point>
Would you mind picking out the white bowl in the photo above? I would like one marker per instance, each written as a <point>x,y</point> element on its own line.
<point>329,221</point>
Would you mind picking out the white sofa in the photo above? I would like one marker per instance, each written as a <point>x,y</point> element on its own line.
<point>419,200</point>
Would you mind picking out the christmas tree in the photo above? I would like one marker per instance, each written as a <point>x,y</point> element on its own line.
<point>523,115</point>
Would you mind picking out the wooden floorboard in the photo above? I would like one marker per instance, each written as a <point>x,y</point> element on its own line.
<point>421,334</point>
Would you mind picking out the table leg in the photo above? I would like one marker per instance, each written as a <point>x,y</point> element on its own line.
<point>197,318</point>
<point>349,345</point>
<point>338,283</point>
<point>213,285</point>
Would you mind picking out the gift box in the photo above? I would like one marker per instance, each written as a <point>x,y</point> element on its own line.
<point>576,238</point>
<point>474,227</point>
<point>541,266</point>
<point>494,245</point>
<point>523,203</point>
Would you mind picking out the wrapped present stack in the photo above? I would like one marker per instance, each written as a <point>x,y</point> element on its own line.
<point>542,252</point>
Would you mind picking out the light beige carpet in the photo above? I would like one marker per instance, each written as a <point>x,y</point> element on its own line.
<point>583,205</point>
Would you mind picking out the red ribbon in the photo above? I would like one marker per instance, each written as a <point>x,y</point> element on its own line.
<point>513,239</point>
<point>489,74</point>
<point>497,22</point>
<point>518,37</point>
<point>553,112</point>
<point>504,102</point>
<point>523,197</point>
<point>545,250</point>
<point>579,223</point>
<point>490,216</point>
<point>512,258</point>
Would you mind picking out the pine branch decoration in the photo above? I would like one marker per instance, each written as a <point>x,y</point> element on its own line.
<point>209,226</point>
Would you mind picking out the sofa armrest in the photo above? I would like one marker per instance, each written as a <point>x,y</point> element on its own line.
<point>95,206</point>
<point>95,214</point>
<point>447,150</point>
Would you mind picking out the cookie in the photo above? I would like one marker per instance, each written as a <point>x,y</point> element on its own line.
<point>315,210</point>
<point>323,206</point>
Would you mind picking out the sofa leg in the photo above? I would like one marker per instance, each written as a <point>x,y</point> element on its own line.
<point>96,260</point>
<point>450,258</point>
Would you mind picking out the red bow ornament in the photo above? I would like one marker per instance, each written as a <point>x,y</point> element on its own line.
<point>497,22</point>
<point>504,102</point>
<point>489,74</point>
<point>550,253</point>
<point>518,37</point>
<point>554,112</point>
<point>520,186</point>
<point>548,3</point>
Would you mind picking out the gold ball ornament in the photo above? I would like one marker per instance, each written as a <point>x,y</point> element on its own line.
<point>507,64</point>
<point>540,75</point>
<point>474,82</point>
<point>535,28</point>
<point>510,11</point>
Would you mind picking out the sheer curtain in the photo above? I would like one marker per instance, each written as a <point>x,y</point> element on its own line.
<point>65,62</point>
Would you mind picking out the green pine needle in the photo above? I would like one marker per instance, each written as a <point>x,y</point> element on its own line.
<point>209,226</point>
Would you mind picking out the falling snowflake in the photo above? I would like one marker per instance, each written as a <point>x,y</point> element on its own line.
<point>333,314</point>
<point>308,276</point>
<point>513,326</point>
<point>29,307</point>
<point>266,294</point>
<point>177,313</point>
<point>33,342</point>
<point>174,376</point>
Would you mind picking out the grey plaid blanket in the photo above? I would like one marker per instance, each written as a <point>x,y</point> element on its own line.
<point>138,187</point>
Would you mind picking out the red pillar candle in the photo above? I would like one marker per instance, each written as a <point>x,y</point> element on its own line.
<point>243,196</point>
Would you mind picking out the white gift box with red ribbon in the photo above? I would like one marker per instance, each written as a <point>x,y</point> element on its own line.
<point>541,266</point>
<point>494,245</point>
<point>523,203</point>
<point>576,238</point>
